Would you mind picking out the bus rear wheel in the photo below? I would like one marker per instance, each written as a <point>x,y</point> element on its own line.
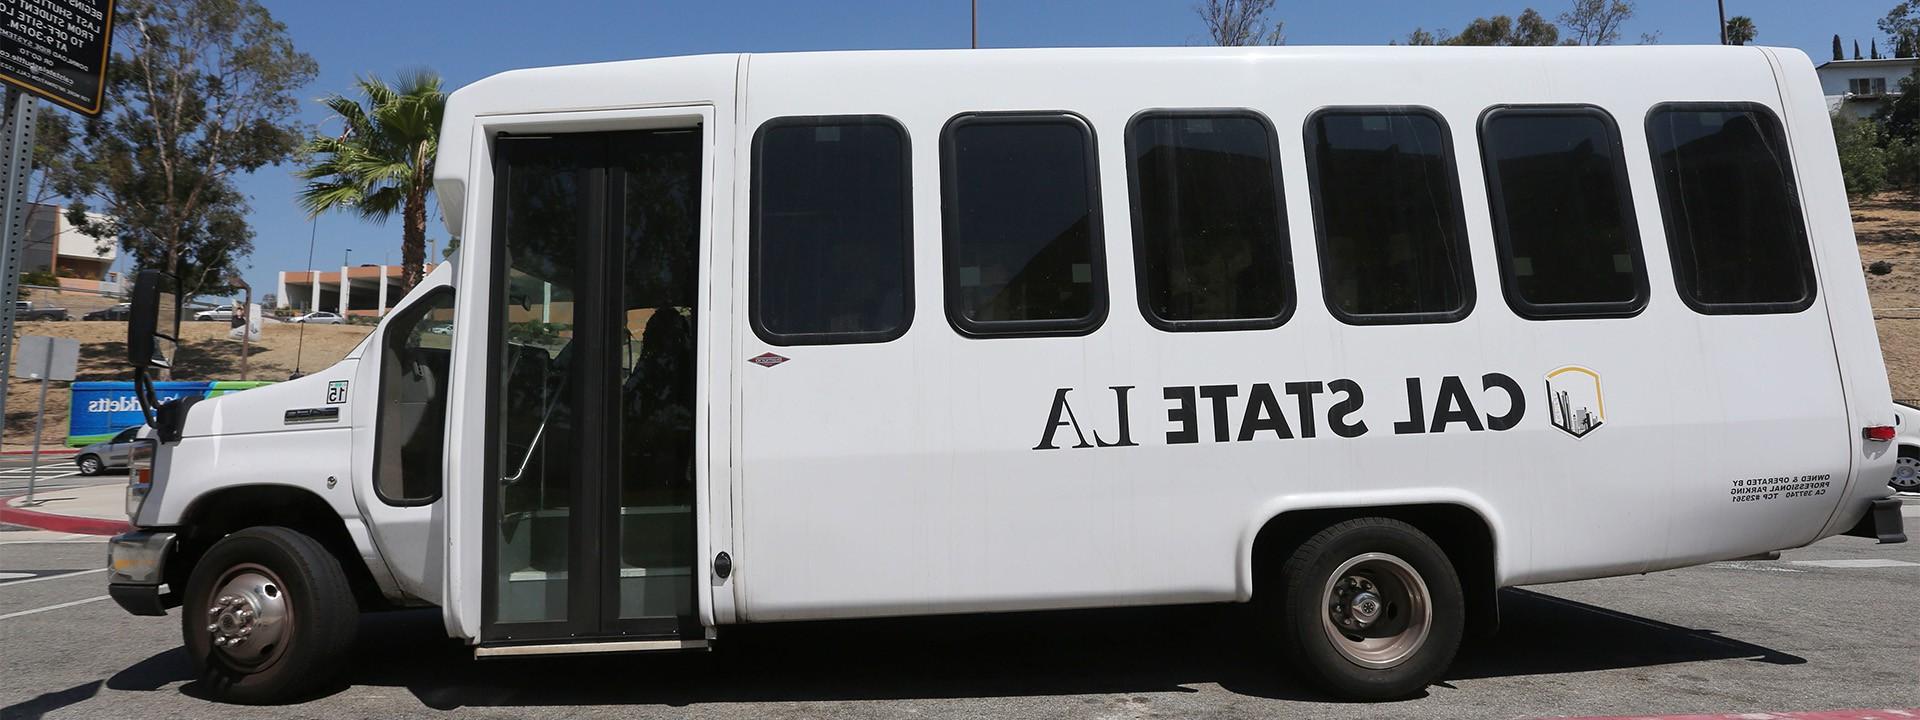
<point>1370,609</point>
<point>268,616</point>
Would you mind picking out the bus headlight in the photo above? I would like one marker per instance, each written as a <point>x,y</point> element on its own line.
<point>139,477</point>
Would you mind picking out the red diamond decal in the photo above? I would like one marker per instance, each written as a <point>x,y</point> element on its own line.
<point>767,360</point>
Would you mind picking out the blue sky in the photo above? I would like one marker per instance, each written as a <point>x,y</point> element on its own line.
<point>468,40</point>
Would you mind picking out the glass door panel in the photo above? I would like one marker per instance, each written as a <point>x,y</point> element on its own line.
<point>657,190</point>
<point>544,204</point>
<point>593,513</point>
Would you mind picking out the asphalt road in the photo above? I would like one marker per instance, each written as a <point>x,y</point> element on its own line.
<point>1801,633</point>
<point>56,472</point>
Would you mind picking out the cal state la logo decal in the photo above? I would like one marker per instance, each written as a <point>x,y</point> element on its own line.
<point>1574,402</point>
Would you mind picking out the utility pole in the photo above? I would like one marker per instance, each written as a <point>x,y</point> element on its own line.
<point>1723,21</point>
<point>976,24</point>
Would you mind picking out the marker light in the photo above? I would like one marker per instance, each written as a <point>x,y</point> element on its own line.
<point>1877,433</point>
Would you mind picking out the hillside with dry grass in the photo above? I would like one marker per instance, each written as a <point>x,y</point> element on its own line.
<point>1888,229</point>
<point>205,354</point>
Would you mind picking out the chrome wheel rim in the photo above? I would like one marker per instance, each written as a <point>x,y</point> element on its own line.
<point>249,616</point>
<point>1906,474</point>
<point>1377,611</point>
<point>89,466</point>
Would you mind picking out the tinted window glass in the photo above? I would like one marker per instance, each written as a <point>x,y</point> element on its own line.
<point>1390,234</point>
<point>831,231</point>
<point>1022,227</point>
<point>1208,224</point>
<point>1732,214</point>
<point>415,356</point>
<point>1562,212</point>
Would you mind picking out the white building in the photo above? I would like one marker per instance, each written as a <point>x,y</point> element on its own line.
<point>368,290</point>
<point>1861,87</point>
<point>53,245</point>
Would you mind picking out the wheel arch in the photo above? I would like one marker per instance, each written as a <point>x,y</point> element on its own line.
<point>222,512</point>
<point>1464,526</point>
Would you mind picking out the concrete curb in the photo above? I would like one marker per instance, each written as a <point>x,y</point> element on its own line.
<point>58,523</point>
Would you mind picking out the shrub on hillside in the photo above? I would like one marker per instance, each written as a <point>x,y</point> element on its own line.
<point>1863,163</point>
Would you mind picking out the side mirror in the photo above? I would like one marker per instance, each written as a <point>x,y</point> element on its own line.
<point>153,321</point>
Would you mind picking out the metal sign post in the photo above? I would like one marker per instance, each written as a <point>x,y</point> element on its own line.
<point>16,156</point>
<point>45,359</point>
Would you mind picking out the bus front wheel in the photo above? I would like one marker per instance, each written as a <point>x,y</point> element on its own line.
<point>1370,609</point>
<point>268,616</point>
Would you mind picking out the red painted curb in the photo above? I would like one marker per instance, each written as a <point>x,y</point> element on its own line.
<point>1884,714</point>
<point>59,523</point>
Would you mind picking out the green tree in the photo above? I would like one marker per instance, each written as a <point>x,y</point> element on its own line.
<point>1900,119</point>
<point>383,162</point>
<point>1530,29</point>
<point>1235,23</point>
<point>1420,36</point>
<point>1863,163</point>
<point>1741,30</point>
<point>1903,24</point>
<point>1839,53</point>
<point>198,91</point>
<point>1595,22</point>
<point>1856,50</point>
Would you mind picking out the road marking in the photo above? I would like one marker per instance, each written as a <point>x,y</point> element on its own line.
<point>10,616</point>
<point>1760,566</point>
<point>51,577</point>
<point>14,575</point>
<point>1857,563</point>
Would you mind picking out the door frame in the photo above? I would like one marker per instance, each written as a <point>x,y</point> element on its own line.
<point>471,458</point>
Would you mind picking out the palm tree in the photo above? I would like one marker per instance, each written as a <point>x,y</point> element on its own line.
<point>1741,30</point>
<point>382,161</point>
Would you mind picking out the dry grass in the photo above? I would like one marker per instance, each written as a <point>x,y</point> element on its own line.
<point>1888,229</point>
<point>206,354</point>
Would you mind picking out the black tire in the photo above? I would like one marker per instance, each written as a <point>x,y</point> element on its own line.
<point>1303,616</point>
<point>320,618</point>
<point>89,464</point>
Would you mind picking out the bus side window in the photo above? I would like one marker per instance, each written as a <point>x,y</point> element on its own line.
<point>1210,241</point>
<point>415,355</point>
<point>1386,202</point>
<point>1732,213</point>
<point>1562,212</point>
<point>832,230</point>
<point>1022,235</point>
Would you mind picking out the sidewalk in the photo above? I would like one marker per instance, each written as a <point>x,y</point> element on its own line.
<point>90,510</point>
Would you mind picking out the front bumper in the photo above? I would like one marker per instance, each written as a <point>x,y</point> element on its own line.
<point>136,571</point>
<point>1882,522</point>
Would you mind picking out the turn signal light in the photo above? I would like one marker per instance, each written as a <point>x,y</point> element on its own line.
<point>1878,433</point>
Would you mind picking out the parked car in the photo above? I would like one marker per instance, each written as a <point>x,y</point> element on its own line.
<point>117,312</point>
<point>25,310</point>
<point>320,317</point>
<point>110,454</point>
<point>1906,467</point>
<point>224,312</point>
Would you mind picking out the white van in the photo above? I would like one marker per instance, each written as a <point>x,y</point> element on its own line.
<point>1361,334</point>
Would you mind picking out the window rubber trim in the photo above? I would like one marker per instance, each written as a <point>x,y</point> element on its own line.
<point>1096,234</point>
<point>1289,289</point>
<point>1776,132</point>
<point>380,399</point>
<point>1463,260</point>
<point>754,235</point>
<point>1503,237</point>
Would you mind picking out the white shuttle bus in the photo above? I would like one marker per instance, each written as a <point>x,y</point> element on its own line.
<point>1359,335</point>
